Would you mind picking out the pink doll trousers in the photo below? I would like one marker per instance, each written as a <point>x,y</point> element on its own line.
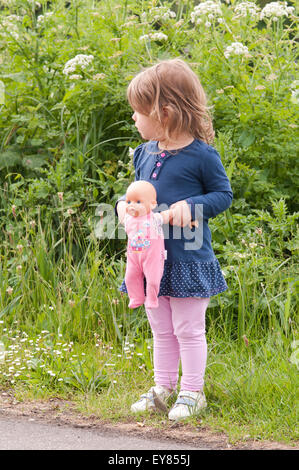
<point>178,326</point>
<point>148,264</point>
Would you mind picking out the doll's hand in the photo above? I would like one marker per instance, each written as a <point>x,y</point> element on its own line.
<point>121,211</point>
<point>181,214</point>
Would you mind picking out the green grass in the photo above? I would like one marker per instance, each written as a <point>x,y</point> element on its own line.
<point>249,394</point>
<point>66,331</point>
<point>251,390</point>
<point>63,322</point>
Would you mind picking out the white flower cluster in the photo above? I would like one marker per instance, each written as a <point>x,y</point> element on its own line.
<point>22,357</point>
<point>236,48</point>
<point>158,13</point>
<point>11,18</point>
<point>154,37</point>
<point>275,10</point>
<point>34,4</point>
<point>81,61</point>
<point>295,92</point>
<point>42,18</point>
<point>210,9</point>
<point>9,23</point>
<point>247,9</point>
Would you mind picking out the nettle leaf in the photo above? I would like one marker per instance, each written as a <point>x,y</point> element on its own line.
<point>34,161</point>
<point>16,77</point>
<point>36,142</point>
<point>9,159</point>
<point>247,138</point>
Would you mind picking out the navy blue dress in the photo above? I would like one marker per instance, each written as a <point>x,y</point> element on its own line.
<point>195,174</point>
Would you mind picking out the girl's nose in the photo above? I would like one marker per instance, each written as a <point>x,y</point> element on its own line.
<point>134,117</point>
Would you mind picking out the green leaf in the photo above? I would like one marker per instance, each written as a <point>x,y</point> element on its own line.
<point>247,138</point>
<point>9,159</point>
<point>17,77</point>
<point>2,92</point>
<point>34,161</point>
<point>9,306</point>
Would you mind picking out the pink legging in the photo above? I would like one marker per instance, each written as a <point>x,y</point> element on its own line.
<point>178,326</point>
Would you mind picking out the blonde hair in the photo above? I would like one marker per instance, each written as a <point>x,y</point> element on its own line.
<point>171,85</point>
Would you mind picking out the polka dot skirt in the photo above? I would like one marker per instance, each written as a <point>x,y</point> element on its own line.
<point>194,279</point>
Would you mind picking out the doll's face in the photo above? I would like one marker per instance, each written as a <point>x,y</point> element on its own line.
<point>139,202</point>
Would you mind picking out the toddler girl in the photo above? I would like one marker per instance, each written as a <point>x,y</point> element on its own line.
<point>170,113</point>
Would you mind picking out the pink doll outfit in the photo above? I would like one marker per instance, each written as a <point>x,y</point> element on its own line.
<point>145,258</point>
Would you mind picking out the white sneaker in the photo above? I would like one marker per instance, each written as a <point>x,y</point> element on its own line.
<point>187,404</point>
<point>154,399</point>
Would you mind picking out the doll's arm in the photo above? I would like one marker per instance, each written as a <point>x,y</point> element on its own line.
<point>121,211</point>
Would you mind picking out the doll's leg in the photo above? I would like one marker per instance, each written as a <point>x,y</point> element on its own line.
<point>153,267</point>
<point>134,280</point>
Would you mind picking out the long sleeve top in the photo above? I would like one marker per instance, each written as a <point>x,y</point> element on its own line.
<point>194,174</point>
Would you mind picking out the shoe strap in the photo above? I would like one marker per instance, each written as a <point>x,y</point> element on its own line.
<point>185,401</point>
<point>148,395</point>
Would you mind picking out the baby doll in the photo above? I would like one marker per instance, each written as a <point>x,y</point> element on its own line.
<point>145,248</point>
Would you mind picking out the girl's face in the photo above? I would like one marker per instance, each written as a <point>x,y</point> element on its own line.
<point>148,127</point>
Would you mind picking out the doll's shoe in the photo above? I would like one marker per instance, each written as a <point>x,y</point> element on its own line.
<point>187,404</point>
<point>154,399</point>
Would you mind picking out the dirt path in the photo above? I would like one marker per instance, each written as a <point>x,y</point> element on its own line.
<point>63,413</point>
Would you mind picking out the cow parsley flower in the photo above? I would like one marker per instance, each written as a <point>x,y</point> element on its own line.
<point>295,92</point>
<point>210,9</point>
<point>80,62</point>
<point>154,37</point>
<point>99,76</point>
<point>236,48</point>
<point>159,37</point>
<point>34,4</point>
<point>42,18</point>
<point>275,10</point>
<point>75,76</point>
<point>158,13</point>
<point>9,24</point>
<point>245,9</point>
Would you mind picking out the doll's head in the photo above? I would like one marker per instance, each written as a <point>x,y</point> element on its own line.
<point>141,198</point>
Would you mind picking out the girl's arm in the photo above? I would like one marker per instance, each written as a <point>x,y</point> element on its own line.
<point>210,205</point>
<point>218,193</point>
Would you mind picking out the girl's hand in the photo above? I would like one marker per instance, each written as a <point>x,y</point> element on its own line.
<point>167,216</point>
<point>181,214</point>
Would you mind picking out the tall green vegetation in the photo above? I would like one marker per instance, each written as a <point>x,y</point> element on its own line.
<point>65,138</point>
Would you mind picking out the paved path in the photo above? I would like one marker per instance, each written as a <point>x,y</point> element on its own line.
<point>24,433</point>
